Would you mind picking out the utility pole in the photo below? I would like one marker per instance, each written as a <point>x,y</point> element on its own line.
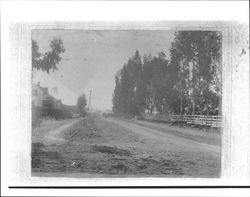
<point>90,92</point>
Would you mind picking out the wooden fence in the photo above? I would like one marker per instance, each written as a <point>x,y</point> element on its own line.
<point>204,120</point>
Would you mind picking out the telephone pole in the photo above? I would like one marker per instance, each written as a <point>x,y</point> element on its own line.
<point>90,92</point>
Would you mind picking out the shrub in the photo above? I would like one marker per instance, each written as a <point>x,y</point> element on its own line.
<point>49,111</point>
<point>36,115</point>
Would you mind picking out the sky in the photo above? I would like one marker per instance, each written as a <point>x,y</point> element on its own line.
<point>92,58</point>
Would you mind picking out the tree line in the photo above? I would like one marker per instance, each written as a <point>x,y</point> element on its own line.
<point>189,82</point>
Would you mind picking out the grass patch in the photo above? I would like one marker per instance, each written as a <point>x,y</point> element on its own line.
<point>111,150</point>
<point>85,129</point>
<point>48,125</point>
<point>133,166</point>
<point>40,157</point>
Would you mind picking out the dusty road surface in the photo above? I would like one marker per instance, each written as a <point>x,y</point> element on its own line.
<point>107,147</point>
<point>169,141</point>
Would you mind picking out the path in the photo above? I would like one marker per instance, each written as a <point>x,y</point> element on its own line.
<point>54,135</point>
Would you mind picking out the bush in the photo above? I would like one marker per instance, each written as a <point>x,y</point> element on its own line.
<point>106,115</point>
<point>39,113</point>
<point>83,113</point>
<point>56,113</point>
<point>36,115</point>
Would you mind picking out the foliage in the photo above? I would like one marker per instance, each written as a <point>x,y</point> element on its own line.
<point>55,109</point>
<point>45,62</point>
<point>51,108</point>
<point>198,56</point>
<point>49,60</point>
<point>81,104</point>
<point>127,93</point>
<point>188,83</point>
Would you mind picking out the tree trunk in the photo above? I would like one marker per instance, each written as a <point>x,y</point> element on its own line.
<point>181,106</point>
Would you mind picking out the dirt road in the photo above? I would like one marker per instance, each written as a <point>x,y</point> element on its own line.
<point>163,137</point>
<point>104,147</point>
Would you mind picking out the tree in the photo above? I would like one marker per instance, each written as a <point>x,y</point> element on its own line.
<point>188,83</point>
<point>49,60</point>
<point>81,104</point>
<point>143,86</point>
<point>197,54</point>
<point>127,97</point>
<point>118,99</point>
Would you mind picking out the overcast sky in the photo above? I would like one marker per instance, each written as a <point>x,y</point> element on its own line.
<point>92,58</point>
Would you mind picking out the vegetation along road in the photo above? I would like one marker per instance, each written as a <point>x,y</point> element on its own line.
<point>107,147</point>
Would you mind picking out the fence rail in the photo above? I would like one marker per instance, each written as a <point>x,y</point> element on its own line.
<point>204,120</point>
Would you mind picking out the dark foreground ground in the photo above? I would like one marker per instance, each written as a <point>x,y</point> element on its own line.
<point>98,147</point>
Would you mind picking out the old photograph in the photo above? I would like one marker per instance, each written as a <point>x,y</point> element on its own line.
<point>125,98</point>
<point>126,103</point>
